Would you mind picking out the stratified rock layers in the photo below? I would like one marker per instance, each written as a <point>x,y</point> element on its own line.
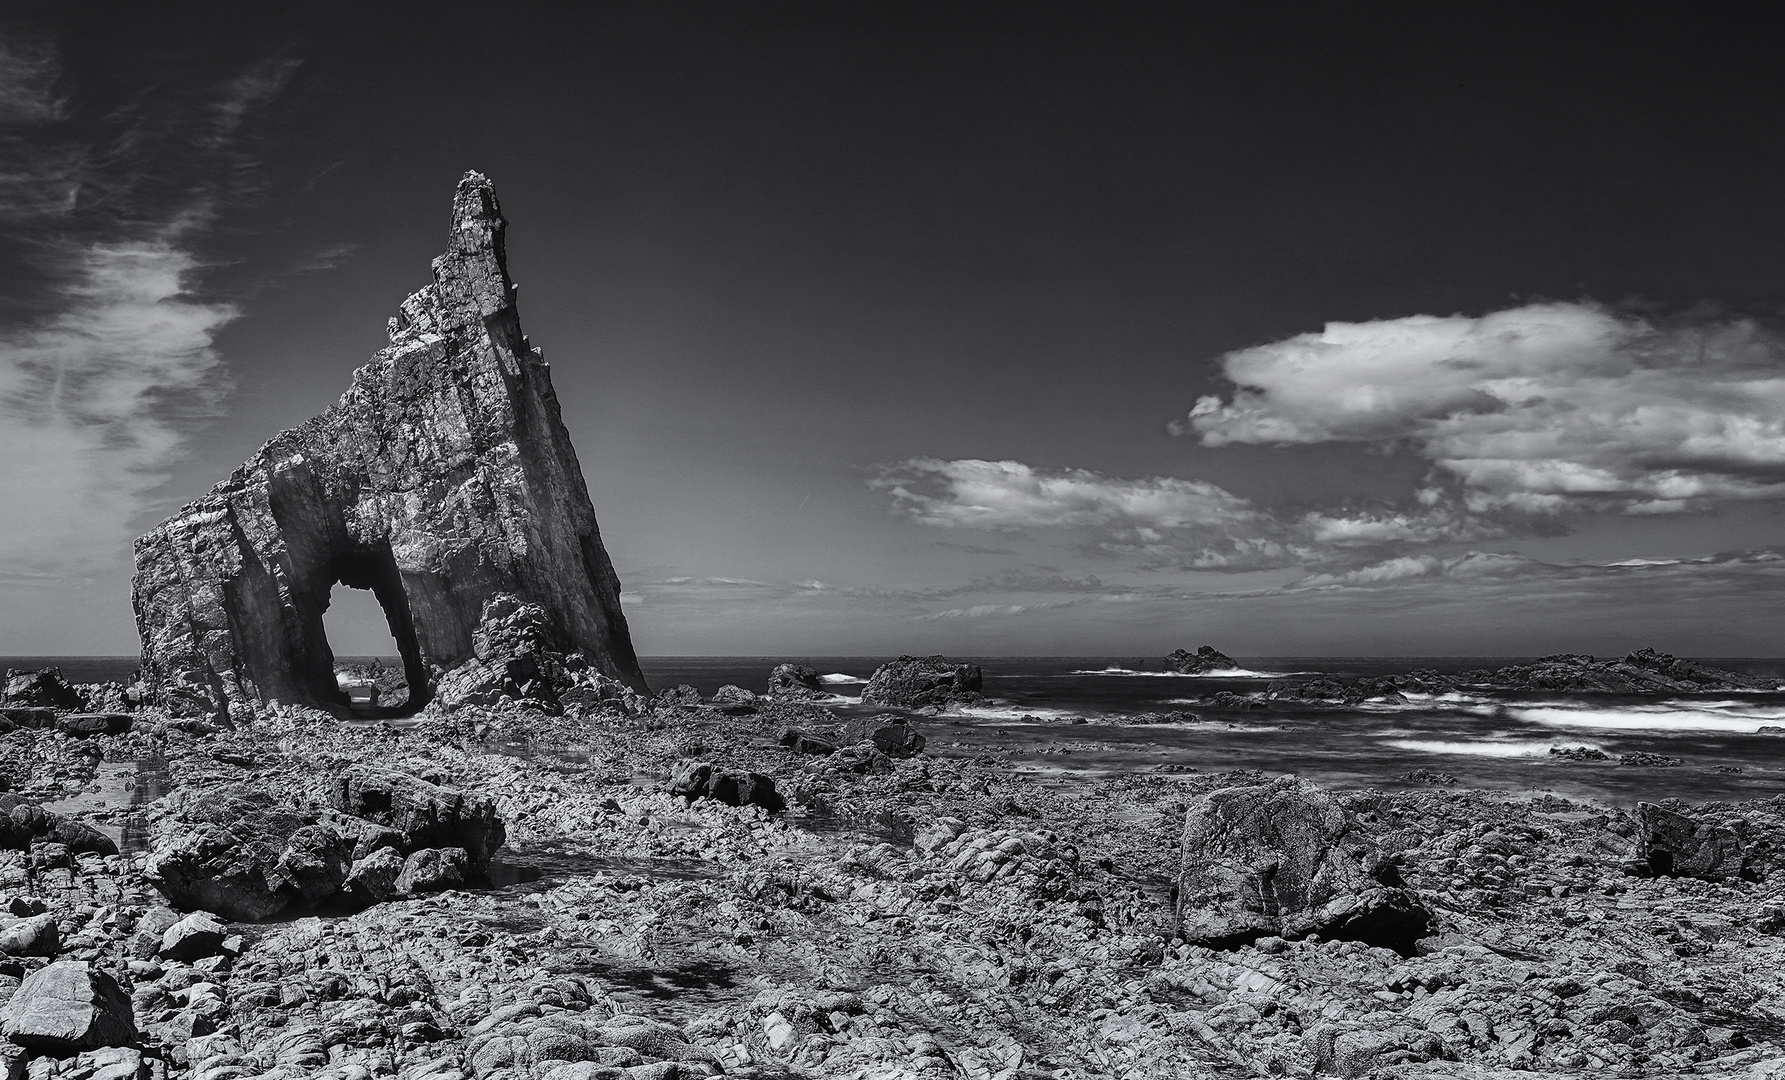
<point>443,480</point>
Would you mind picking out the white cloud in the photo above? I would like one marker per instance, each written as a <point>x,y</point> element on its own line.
<point>971,493</point>
<point>1534,410</point>
<point>109,357</point>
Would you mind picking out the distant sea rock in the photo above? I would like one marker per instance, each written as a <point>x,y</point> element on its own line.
<point>1200,662</point>
<point>927,682</point>
<point>795,681</point>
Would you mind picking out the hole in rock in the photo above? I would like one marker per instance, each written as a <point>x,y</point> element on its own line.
<point>371,667</point>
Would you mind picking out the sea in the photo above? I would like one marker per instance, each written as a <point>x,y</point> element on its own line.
<point>1063,718</point>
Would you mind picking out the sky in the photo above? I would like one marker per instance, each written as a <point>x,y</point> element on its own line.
<point>983,330</point>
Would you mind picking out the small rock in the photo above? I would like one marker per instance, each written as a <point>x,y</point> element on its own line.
<point>194,937</point>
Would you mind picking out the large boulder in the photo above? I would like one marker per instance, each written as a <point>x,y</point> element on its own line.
<point>443,481</point>
<point>87,725</point>
<point>1200,662</point>
<point>45,688</point>
<point>66,1008</point>
<point>1674,844</point>
<point>1284,859</point>
<point>926,682</point>
<point>890,734</point>
<point>25,823</point>
<point>795,681</point>
<point>247,855</point>
<point>705,780</point>
<point>428,815</point>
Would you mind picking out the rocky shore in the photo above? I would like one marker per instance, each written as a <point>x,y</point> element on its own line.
<point>753,885</point>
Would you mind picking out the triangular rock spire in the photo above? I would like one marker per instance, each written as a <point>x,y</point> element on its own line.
<point>443,480</point>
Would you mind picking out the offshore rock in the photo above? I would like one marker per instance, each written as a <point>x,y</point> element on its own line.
<point>1284,859</point>
<point>443,481</point>
<point>1200,662</point>
<point>795,681</point>
<point>1644,671</point>
<point>927,682</point>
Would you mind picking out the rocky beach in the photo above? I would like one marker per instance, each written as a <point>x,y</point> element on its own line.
<point>506,855</point>
<point>748,884</point>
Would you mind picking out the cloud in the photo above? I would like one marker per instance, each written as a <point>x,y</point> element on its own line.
<point>1541,409</point>
<point>108,358</point>
<point>1157,519</point>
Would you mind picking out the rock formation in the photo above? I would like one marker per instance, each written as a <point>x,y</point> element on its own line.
<point>1201,662</point>
<point>443,481</point>
<point>924,682</point>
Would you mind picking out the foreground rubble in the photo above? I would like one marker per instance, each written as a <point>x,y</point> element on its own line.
<point>917,916</point>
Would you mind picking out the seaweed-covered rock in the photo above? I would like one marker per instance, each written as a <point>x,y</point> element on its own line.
<point>1284,859</point>
<point>926,682</point>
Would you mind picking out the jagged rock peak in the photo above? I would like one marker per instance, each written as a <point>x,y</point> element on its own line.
<point>443,480</point>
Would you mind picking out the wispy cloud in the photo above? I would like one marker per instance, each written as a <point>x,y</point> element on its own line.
<point>1541,409</point>
<point>109,357</point>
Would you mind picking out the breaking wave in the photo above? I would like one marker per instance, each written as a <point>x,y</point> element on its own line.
<point>1494,748</point>
<point>839,677</point>
<point>1222,673</point>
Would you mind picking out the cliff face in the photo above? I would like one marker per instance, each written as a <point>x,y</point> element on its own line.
<point>443,480</point>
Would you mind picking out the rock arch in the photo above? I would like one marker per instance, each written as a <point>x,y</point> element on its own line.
<point>443,480</point>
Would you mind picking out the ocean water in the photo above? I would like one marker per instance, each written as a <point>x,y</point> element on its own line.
<point>1064,717</point>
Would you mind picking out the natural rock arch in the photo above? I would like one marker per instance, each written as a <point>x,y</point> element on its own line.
<point>443,480</point>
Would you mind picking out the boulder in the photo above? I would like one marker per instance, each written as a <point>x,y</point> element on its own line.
<point>704,780</point>
<point>443,481</point>
<point>87,725</point>
<point>29,716</point>
<point>45,688</point>
<point>23,824</point>
<point>1200,662</point>
<point>733,695</point>
<point>433,870</point>
<point>34,935</point>
<point>929,683</point>
<point>1351,1049</point>
<point>804,742</point>
<point>893,736</point>
<point>426,815</point>
<point>679,695</point>
<point>1676,845</point>
<point>194,937</point>
<point>373,879</point>
<point>1284,859</point>
<point>69,1007</point>
<point>795,681</point>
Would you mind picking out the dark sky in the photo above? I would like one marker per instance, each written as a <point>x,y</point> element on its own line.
<point>872,328</point>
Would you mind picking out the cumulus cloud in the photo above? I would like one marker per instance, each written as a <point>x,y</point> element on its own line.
<point>1535,410</point>
<point>1158,519</point>
<point>109,356</point>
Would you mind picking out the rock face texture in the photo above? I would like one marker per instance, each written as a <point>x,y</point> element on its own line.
<point>1284,859</point>
<point>443,481</point>
<point>68,1007</point>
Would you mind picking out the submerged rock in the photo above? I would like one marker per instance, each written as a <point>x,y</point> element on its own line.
<point>1284,859</point>
<point>927,682</point>
<point>443,481</point>
<point>1204,660</point>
